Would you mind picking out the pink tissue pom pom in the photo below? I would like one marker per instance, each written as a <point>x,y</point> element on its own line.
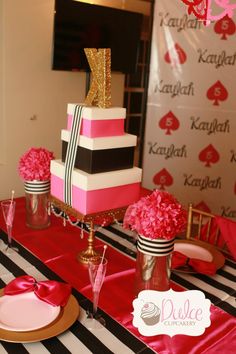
<point>35,164</point>
<point>159,215</point>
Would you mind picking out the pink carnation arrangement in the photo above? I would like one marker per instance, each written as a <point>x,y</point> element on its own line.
<point>158,215</point>
<point>35,165</point>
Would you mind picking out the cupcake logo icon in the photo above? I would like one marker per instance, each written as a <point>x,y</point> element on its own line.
<point>150,313</point>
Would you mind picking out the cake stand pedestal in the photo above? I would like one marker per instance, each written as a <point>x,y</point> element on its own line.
<point>101,218</point>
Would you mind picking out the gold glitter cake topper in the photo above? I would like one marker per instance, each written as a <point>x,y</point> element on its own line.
<point>100,88</point>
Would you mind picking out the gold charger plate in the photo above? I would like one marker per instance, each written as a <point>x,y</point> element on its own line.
<point>198,246</point>
<point>67,316</point>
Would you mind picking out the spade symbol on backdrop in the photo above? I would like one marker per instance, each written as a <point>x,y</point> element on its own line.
<point>169,122</point>
<point>162,179</point>
<point>217,93</point>
<point>175,56</point>
<point>209,155</point>
<point>203,207</point>
<point>225,26</point>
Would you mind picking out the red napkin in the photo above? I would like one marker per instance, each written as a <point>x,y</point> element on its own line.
<point>50,291</point>
<point>200,266</point>
<point>228,231</point>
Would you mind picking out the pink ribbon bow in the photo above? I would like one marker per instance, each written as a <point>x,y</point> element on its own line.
<point>50,291</point>
<point>200,266</point>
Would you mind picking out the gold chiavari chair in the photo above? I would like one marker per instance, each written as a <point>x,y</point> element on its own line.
<point>201,226</point>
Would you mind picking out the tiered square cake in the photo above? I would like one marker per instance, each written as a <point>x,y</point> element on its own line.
<point>103,175</point>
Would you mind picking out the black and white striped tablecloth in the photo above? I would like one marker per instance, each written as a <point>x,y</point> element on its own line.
<point>220,289</point>
<point>78,339</point>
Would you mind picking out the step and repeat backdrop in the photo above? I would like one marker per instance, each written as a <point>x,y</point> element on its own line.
<point>190,134</point>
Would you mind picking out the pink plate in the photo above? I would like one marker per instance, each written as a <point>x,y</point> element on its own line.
<point>25,312</point>
<point>194,251</point>
<point>200,250</point>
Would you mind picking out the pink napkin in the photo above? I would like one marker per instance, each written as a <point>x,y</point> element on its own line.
<point>50,291</point>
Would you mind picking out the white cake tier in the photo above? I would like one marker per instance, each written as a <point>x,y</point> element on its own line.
<point>88,181</point>
<point>96,113</point>
<point>101,143</point>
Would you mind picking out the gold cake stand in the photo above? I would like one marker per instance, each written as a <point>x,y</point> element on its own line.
<point>108,216</point>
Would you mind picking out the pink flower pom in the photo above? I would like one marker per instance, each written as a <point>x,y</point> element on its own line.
<point>159,215</point>
<point>35,165</point>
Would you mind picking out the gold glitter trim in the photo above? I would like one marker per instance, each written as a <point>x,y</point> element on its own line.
<point>100,88</point>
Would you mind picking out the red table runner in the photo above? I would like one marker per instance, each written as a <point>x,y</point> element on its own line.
<point>58,247</point>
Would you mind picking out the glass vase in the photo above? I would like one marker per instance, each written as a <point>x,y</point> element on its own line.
<point>37,204</point>
<point>153,264</point>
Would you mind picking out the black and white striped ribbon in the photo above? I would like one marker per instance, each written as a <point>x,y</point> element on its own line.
<point>155,247</point>
<point>37,187</point>
<point>71,153</point>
